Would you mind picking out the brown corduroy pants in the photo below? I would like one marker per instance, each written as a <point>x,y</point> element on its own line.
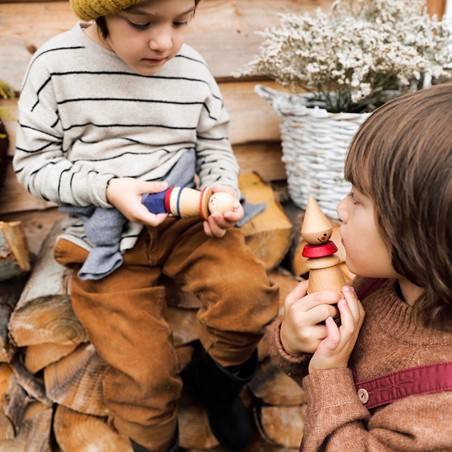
<point>124,315</point>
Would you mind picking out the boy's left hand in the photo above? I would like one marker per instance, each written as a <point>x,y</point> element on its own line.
<point>217,224</point>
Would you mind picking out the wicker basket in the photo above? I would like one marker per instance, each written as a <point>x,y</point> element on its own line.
<point>315,144</point>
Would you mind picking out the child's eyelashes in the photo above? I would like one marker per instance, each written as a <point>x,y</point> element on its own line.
<point>139,26</point>
<point>147,25</point>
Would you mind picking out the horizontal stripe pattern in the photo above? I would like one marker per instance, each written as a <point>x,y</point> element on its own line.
<point>84,117</point>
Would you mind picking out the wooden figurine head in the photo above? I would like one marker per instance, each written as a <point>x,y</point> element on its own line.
<point>222,202</point>
<point>316,228</point>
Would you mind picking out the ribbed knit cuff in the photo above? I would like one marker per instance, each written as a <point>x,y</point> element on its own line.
<point>328,388</point>
<point>295,366</point>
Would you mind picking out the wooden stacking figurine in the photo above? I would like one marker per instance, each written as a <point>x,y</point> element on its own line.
<point>187,202</point>
<point>323,264</point>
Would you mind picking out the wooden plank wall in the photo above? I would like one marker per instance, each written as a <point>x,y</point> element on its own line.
<point>223,31</point>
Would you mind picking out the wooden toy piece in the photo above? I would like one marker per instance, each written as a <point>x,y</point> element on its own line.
<point>323,264</point>
<point>187,202</point>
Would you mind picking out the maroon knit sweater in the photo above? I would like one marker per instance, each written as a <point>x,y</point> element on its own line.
<point>390,340</point>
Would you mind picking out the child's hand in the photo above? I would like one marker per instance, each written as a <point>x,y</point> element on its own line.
<point>302,328</point>
<point>126,193</point>
<point>217,224</point>
<point>335,350</point>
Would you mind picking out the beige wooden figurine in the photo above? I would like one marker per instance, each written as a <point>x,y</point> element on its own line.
<point>187,202</point>
<point>323,264</point>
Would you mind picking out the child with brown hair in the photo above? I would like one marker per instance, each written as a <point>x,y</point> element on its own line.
<point>382,379</point>
<point>111,110</point>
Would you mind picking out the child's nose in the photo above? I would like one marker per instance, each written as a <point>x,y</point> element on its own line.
<point>161,41</point>
<point>342,210</point>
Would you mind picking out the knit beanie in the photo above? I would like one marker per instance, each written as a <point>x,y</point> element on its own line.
<point>92,9</point>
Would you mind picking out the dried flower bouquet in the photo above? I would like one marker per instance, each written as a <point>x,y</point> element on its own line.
<point>357,54</point>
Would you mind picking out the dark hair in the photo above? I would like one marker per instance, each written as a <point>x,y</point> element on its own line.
<point>401,158</point>
<point>102,24</point>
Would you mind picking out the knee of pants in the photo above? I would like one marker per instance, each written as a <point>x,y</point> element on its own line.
<point>149,390</point>
<point>253,295</point>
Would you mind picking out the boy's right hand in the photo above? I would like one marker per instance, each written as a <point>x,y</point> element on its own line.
<point>126,194</point>
<point>303,327</point>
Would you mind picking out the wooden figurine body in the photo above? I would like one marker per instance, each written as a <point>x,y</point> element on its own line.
<point>187,202</point>
<point>323,264</point>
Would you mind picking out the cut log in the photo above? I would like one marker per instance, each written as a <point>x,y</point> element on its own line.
<point>42,355</point>
<point>44,313</point>
<point>76,381</point>
<point>36,225</point>
<point>14,253</point>
<point>273,387</point>
<point>81,432</point>
<point>34,434</point>
<point>269,234</point>
<point>282,426</point>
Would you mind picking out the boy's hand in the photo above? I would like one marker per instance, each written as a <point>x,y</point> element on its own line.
<point>302,329</point>
<point>335,350</point>
<point>217,224</point>
<point>126,193</point>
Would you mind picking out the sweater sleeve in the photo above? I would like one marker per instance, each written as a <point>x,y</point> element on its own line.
<point>40,160</point>
<point>337,420</point>
<point>295,366</point>
<point>217,164</point>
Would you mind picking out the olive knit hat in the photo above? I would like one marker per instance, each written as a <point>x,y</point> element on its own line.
<point>92,9</point>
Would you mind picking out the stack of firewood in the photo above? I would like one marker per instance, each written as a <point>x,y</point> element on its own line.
<point>53,379</point>
<point>51,376</point>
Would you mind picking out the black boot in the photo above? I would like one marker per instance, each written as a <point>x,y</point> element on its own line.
<point>139,448</point>
<point>218,388</point>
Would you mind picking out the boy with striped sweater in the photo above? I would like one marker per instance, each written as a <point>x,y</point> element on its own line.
<point>109,111</point>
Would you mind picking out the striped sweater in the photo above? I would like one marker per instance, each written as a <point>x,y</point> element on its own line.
<point>85,117</point>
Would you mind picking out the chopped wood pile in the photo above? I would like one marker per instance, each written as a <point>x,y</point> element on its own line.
<point>51,376</point>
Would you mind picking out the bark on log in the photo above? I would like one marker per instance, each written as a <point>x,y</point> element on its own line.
<point>16,401</point>
<point>34,434</point>
<point>9,295</point>
<point>14,253</point>
<point>33,386</point>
